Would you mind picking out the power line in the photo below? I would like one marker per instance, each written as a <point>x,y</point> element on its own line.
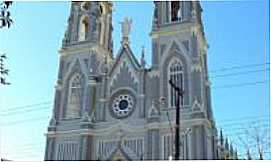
<point>23,121</point>
<point>232,125</point>
<point>239,67</point>
<point>214,87</point>
<point>239,73</point>
<point>243,118</point>
<point>240,85</point>
<point>25,111</point>
<point>252,120</point>
<point>27,106</point>
<point>242,131</point>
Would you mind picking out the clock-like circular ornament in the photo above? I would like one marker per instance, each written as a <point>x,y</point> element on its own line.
<point>122,105</point>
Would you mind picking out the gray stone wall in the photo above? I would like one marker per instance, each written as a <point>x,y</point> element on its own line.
<point>97,130</point>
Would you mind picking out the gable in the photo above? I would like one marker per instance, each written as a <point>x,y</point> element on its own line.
<point>124,70</point>
<point>124,76</point>
<point>175,46</point>
<point>118,156</point>
<point>75,66</point>
<point>125,53</point>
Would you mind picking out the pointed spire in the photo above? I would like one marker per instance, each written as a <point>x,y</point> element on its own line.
<point>227,144</point>
<point>153,112</point>
<point>105,66</point>
<point>155,16</point>
<point>248,155</point>
<point>86,117</point>
<point>53,122</point>
<point>235,155</point>
<point>261,154</point>
<point>221,138</point>
<point>143,62</point>
<point>231,151</point>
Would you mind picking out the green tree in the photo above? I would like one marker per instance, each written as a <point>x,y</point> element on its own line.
<point>5,16</point>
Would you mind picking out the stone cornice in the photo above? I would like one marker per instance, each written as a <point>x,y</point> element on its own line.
<point>128,128</point>
<point>173,29</point>
<point>83,47</point>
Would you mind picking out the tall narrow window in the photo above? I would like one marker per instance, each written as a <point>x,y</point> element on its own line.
<point>175,8</point>
<point>74,97</point>
<point>176,75</point>
<point>101,9</point>
<point>85,6</point>
<point>103,21</point>
<point>83,30</point>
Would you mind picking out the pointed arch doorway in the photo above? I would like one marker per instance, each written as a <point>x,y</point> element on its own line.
<point>119,155</point>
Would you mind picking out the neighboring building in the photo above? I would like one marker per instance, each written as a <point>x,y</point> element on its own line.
<point>226,150</point>
<point>110,108</point>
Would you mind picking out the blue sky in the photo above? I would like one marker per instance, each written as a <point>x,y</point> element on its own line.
<point>237,32</point>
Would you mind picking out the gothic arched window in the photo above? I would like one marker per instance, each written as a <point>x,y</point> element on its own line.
<point>175,73</point>
<point>85,6</point>
<point>102,11</point>
<point>83,28</point>
<point>74,96</point>
<point>175,10</point>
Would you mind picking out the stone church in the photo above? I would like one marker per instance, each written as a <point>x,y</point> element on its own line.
<point>112,107</point>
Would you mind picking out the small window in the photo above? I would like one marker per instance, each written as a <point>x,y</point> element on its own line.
<point>101,9</point>
<point>175,10</point>
<point>84,27</point>
<point>85,6</point>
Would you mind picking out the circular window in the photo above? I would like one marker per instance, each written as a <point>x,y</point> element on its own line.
<point>122,105</point>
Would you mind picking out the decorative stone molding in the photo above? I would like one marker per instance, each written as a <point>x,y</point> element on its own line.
<point>125,63</point>
<point>103,100</point>
<point>196,67</point>
<point>58,87</point>
<point>52,122</point>
<point>196,105</point>
<point>153,111</point>
<point>208,83</point>
<point>86,117</point>
<point>154,73</point>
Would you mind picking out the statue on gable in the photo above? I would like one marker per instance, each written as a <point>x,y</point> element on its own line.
<point>126,29</point>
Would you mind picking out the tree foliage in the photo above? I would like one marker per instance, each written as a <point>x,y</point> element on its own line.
<point>5,16</point>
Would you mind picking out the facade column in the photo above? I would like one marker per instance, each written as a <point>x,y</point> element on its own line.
<point>92,86</point>
<point>152,146</point>
<point>50,149</point>
<point>87,148</point>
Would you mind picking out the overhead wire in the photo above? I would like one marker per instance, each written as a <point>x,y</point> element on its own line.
<point>26,106</point>
<point>225,86</point>
<point>21,108</point>
<point>214,87</point>
<point>239,73</point>
<point>239,67</point>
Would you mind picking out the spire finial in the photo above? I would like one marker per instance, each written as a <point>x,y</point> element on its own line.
<point>221,137</point>
<point>143,63</point>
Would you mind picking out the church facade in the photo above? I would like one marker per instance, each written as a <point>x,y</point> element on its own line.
<point>114,108</point>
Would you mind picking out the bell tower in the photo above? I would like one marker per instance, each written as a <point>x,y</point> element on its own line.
<point>83,65</point>
<point>179,53</point>
<point>175,17</point>
<point>90,22</point>
<point>115,108</point>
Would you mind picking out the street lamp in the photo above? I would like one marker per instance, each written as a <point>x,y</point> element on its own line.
<point>179,94</point>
